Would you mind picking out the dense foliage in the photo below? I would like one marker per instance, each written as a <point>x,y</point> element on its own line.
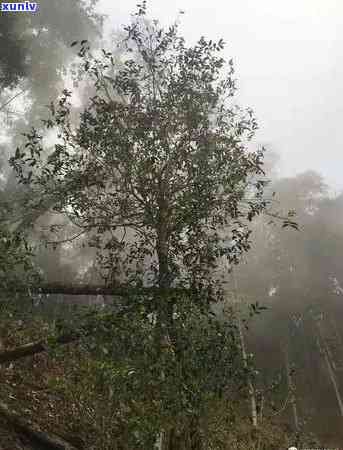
<point>156,172</point>
<point>157,175</point>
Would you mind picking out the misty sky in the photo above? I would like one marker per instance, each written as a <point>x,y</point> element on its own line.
<point>289,64</point>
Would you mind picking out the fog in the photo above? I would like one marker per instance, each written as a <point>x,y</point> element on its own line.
<point>289,66</point>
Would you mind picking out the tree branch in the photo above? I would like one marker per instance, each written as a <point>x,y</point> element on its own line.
<point>3,106</point>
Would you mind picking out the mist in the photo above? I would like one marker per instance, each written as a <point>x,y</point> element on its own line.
<point>288,70</point>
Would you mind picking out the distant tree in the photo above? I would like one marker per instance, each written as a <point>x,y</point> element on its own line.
<point>35,49</point>
<point>35,52</point>
<point>24,37</point>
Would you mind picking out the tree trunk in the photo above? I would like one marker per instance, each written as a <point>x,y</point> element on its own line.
<point>164,318</point>
<point>338,344</point>
<point>291,387</point>
<point>324,350</point>
<point>251,389</point>
<point>170,440</point>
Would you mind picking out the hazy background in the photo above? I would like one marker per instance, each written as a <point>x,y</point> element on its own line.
<point>288,66</point>
<point>288,60</point>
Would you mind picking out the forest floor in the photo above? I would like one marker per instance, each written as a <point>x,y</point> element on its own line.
<point>25,389</point>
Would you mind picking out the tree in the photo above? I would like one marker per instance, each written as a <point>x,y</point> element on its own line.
<point>157,165</point>
<point>26,37</point>
<point>157,173</point>
<point>34,52</point>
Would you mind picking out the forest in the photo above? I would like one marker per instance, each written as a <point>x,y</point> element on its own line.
<point>162,286</point>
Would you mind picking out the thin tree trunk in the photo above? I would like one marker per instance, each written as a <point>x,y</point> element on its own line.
<point>261,407</point>
<point>339,344</point>
<point>165,310</point>
<point>251,389</point>
<point>324,350</point>
<point>291,387</point>
<point>338,335</point>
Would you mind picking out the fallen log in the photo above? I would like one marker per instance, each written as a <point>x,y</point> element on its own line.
<point>33,430</point>
<point>120,291</point>
<point>34,348</point>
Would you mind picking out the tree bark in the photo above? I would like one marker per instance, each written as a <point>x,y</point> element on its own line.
<point>325,351</point>
<point>251,390</point>
<point>291,387</point>
<point>338,343</point>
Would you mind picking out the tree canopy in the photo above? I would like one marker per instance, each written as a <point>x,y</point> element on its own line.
<point>157,168</point>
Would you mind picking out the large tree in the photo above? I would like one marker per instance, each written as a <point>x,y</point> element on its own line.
<point>158,165</point>
<point>157,173</point>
